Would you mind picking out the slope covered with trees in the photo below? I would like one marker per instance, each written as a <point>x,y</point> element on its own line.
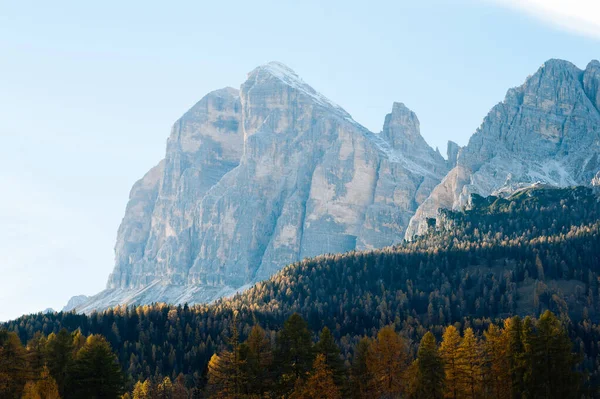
<point>534,251</point>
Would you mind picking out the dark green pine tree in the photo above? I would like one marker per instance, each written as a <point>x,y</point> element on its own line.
<point>430,370</point>
<point>513,327</point>
<point>59,355</point>
<point>294,352</point>
<point>553,363</point>
<point>14,371</point>
<point>257,356</point>
<point>331,353</point>
<point>96,371</point>
<point>359,373</point>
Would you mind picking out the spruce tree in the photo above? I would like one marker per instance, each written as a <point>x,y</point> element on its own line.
<point>96,371</point>
<point>327,347</point>
<point>59,355</point>
<point>294,354</point>
<point>258,358</point>
<point>553,363</point>
<point>14,371</point>
<point>359,373</point>
<point>430,370</point>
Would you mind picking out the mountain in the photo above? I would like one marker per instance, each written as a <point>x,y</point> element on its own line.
<point>259,178</point>
<point>520,255</point>
<point>546,131</point>
<point>74,302</point>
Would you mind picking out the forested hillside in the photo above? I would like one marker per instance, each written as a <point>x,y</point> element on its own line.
<point>537,250</point>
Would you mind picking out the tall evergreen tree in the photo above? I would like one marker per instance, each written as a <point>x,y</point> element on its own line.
<point>553,363</point>
<point>327,347</point>
<point>96,371</point>
<point>430,370</point>
<point>59,355</point>
<point>359,373</point>
<point>513,332</point>
<point>14,371</point>
<point>294,352</point>
<point>258,357</point>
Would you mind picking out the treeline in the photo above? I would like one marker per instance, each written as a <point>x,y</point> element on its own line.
<point>535,251</point>
<point>518,359</point>
<point>62,365</point>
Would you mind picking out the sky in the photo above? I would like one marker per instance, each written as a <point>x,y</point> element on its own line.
<point>89,90</point>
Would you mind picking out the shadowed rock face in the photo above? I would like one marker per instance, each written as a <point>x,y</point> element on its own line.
<point>257,179</point>
<point>547,130</point>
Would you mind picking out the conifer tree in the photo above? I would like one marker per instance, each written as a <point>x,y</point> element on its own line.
<point>164,389</point>
<point>359,374</point>
<point>96,372</point>
<point>498,382</point>
<point>179,389</point>
<point>59,355</point>
<point>429,382</point>
<point>258,358</point>
<point>142,390</point>
<point>469,366</point>
<point>449,351</point>
<point>320,383</point>
<point>514,336</point>
<point>553,363</point>
<point>327,347</point>
<point>14,371</point>
<point>294,354</point>
<point>46,387</point>
<point>387,360</point>
<point>36,348</point>
<point>226,377</point>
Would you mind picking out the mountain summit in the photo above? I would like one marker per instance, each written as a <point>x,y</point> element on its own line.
<point>259,178</point>
<point>546,130</point>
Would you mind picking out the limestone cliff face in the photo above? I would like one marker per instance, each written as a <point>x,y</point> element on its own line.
<point>547,130</point>
<point>154,237</point>
<point>255,180</point>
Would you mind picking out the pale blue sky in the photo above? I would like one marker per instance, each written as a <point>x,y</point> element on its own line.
<point>89,90</point>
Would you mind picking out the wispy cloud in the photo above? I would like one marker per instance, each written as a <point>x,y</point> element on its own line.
<point>579,16</point>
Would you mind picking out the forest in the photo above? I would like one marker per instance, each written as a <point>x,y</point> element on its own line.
<point>499,258</point>
<point>520,358</point>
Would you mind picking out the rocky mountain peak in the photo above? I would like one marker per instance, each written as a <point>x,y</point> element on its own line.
<point>546,130</point>
<point>452,153</point>
<point>591,83</point>
<point>261,178</point>
<point>402,128</point>
<point>276,73</point>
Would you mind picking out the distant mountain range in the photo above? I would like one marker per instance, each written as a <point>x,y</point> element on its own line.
<point>265,176</point>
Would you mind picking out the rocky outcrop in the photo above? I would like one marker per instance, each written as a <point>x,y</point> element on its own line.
<point>257,179</point>
<point>547,130</point>
<point>596,180</point>
<point>452,153</point>
<point>74,302</point>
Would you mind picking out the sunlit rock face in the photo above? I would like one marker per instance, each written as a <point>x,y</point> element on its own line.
<point>547,131</point>
<point>260,178</point>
